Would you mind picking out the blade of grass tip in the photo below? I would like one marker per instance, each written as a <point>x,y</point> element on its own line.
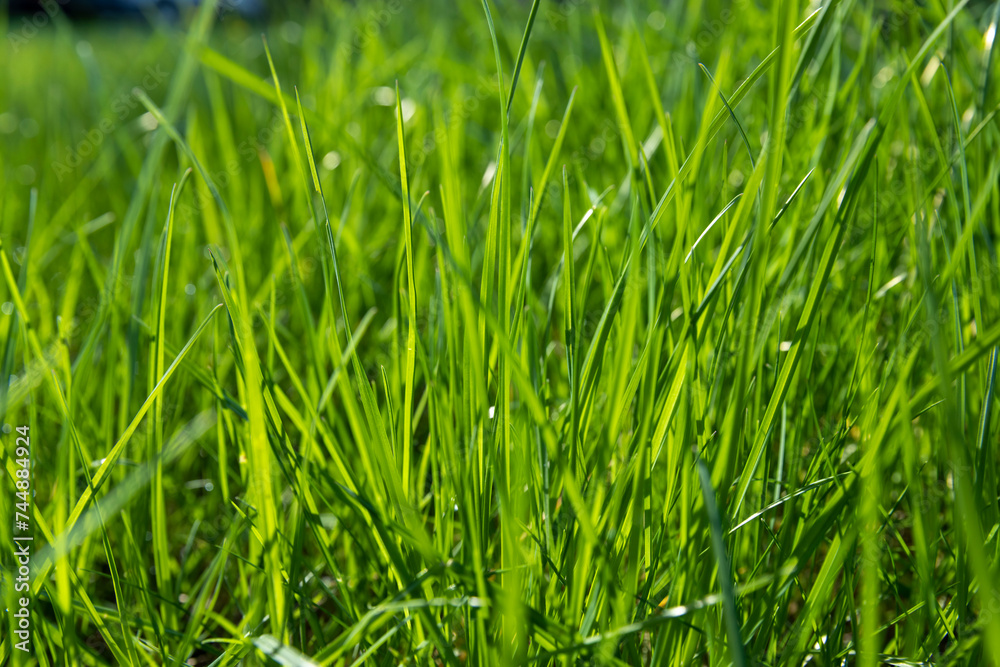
<point>887,111</point>
<point>232,237</point>
<point>256,85</point>
<point>331,244</point>
<point>732,114</point>
<point>966,196</point>
<point>595,353</point>
<point>260,455</point>
<point>504,142</point>
<point>691,164</point>
<point>806,321</point>
<point>784,499</point>
<point>520,53</point>
<point>569,291</point>
<point>540,187</point>
<point>384,454</point>
<point>368,399</point>
<point>260,458</point>
<point>158,513</point>
<point>296,155</point>
<point>180,86</point>
<point>239,75</point>
<point>391,477</point>
<point>411,311</point>
<point>104,471</point>
<point>868,300</point>
<point>617,98</point>
<point>982,445</point>
<point>791,198</point>
<point>711,224</point>
<point>736,647</point>
<point>500,211</point>
<point>723,265</point>
<point>807,55</point>
<point>748,264</point>
<point>389,408</point>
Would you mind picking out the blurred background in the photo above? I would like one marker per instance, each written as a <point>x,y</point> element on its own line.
<point>134,9</point>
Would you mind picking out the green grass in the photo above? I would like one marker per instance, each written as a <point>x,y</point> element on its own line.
<point>498,334</point>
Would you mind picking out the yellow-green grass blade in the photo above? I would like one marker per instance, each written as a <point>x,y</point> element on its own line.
<point>158,519</point>
<point>259,456</point>
<point>259,453</point>
<point>617,97</point>
<point>806,321</point>
<point>411,310</point>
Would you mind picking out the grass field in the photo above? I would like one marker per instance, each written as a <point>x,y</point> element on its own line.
<point>421,333</point>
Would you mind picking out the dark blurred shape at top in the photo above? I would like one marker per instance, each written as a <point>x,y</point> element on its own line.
<point>170,10</point>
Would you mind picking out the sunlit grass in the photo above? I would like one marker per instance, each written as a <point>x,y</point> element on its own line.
<point>506,334</point>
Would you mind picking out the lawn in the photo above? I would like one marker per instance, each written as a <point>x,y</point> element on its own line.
<point>501,333</point>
